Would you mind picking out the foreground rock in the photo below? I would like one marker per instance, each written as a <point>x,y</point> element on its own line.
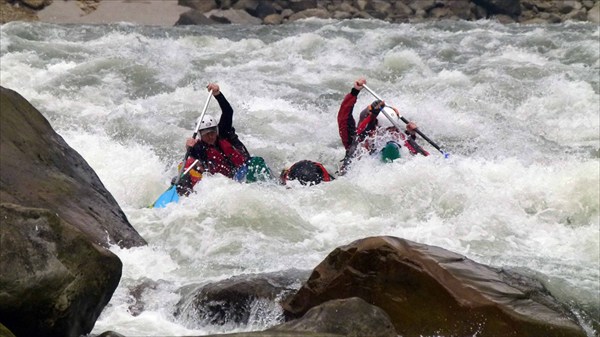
<point>39,169</point>
<point>54,282</point>
<point>430,291</point>
<point>352,317</point>
<point>236,299</point>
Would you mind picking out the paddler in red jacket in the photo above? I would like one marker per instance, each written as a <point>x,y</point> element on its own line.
<point>357,137</point>
<point>220,151</point>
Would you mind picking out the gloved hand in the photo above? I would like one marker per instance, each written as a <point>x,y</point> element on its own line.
<point>376,106</point>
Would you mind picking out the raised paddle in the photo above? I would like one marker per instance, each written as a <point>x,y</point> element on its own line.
<point>187,153</point>
<point>446,155</point>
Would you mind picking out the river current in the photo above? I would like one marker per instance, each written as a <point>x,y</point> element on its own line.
<point>517,107</point>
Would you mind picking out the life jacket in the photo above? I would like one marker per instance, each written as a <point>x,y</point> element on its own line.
<point>220,158</point>
<point>306,172</point>
<point>188,181</point>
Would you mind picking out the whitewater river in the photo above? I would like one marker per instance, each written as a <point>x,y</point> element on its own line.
<point>517,107</point>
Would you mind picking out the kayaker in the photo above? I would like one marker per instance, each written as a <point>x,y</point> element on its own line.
<point>360,138</point>
<point>306,172</point>
<point>219,149</point>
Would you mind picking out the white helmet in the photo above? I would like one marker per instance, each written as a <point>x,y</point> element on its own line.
<point>384,122</point>
<point>207,123</point>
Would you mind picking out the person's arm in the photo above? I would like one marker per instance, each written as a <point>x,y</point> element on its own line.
<point>411,141</point>
<point>346,123</point>
<point>226,120</point>
<point>195,147</point>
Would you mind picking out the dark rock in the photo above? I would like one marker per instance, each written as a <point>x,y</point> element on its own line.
<point>511,8</point>
<point>430,291</point>
<point>110,334</point>
<point>136,292</point>
<point>232,300</point>
<point>36,4</point>
<point>39,169</point>
<point>247,5</point>
<point>54,281</point>
<point>4,332</point>
<point>301,5</point>
<point>194,17</point>
<point>349,317</point>
<point>264,9</point>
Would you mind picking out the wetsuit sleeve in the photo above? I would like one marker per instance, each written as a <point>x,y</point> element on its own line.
<point>413,147</point>
<point>226,129</point>
<point>366,126</point>
<point>226,120</point>
<point>346,123</point>
<point>196,151</point>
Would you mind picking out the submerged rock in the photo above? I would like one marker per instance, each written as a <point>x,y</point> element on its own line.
<point>236,299</point>
<point>39,169</point>
<point>54,281</point>
<point>428,290</point>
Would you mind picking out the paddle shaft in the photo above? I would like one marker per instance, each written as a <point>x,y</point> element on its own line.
<point>187,152</point>
<point>404,120</point>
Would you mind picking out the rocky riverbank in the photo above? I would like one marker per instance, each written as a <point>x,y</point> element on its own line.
<point>270,12</point>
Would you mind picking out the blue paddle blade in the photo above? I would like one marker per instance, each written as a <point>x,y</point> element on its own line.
<point>167,197</point>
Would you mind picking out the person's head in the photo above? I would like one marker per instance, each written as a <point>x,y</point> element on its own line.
<point>208,130</point>
<point>390,152</point>
<point>306,172</point>
<point>376,106</point>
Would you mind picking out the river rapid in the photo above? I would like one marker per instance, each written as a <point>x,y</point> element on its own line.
<point>517,107</point>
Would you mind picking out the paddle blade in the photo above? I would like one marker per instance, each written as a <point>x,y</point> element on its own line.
<point>167,197</point>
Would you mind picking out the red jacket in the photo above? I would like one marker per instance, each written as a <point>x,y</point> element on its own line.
<point>228,154</point>
<point>352,135</point>
<point>220,158</point>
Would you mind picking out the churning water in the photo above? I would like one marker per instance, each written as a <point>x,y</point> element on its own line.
<point>517,107</point>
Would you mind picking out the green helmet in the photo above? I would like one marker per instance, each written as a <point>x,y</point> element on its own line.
<point>390,152</point>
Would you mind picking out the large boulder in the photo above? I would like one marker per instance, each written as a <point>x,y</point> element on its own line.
<point>39,169</point>
<point>54,281</point>
<point>431,291</point>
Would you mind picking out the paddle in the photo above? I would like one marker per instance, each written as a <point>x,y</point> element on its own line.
<point>187,153</point>
<point>446,155</point>
<point>171,195</point>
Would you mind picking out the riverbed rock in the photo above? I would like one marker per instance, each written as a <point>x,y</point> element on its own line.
<point>39,169</point>
<point>234,16</point>
<point>233,300</point>
<point>54,281</point>
<point>391,11</point>
<point>352,317</point>
<point>194,17</point>
<point>593,14</point>
<point>428,290</point>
